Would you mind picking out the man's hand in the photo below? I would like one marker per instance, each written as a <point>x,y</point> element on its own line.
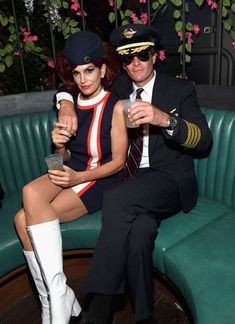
<point>67,116</point>
<point>142,112</point>
<point>60,135</point>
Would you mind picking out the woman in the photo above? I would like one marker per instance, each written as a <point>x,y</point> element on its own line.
<point>94,156</point>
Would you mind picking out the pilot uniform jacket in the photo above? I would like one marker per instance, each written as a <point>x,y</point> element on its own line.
<point>174,153</point>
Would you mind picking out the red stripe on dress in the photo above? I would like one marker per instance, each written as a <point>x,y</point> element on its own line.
<point>88,186</point>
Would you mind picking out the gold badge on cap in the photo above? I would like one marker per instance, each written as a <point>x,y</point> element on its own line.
<point>129,32</point>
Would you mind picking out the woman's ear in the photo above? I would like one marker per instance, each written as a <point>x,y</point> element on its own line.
<point>103,70</point>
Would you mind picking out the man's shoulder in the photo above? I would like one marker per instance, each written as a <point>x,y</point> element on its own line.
<point>122,86</point>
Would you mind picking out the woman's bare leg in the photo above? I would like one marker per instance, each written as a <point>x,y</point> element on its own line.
<point>45,202</point>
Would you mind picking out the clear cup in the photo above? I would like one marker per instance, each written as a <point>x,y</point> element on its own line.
<point>126,104</point>
<point>54,162</point>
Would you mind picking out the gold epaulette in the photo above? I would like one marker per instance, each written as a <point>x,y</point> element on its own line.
<point>194,135</point>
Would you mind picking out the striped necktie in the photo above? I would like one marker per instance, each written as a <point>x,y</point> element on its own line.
<point>135,149</point>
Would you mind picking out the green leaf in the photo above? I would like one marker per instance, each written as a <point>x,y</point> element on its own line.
<point>226,3</point>
<point>74,30</point>
<point>227,24</point>
<point>11,20</point>
<point>37,49</point>
<point>125,22</point>
<point>199,2</point>
<point>176,14</point>
<point>119,3</point>
<point>180,49</point>
<point>233,7</point>
<point>111,17</point>
<point>2,68</point>
<point>29,46</point>
<point>188,47</point>
<point>12,38</point>
<point>155,5</point>
<point>162,2</point>
<point>122,14</point>
<point>186,7</point>
<point>9,60</point>
<point>2,52</point>
<point>65,5</point>
<point>177,3</point>
<point>127,13</point>
<point>189,26</point>
<point>73,23</point>
<point>187,58</point>
<point>8,48</point>
<point>224,12</point>
<point>3,21</point>
<point>11,29</point>
<point>178,26</point>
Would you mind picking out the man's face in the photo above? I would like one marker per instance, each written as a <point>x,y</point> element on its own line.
<point>141,72</point>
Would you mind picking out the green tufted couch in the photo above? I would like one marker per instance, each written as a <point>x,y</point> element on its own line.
<point>196,251</point>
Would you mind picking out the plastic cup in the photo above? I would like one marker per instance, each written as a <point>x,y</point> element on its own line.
<point>126,104</point>
<point>54,162</point>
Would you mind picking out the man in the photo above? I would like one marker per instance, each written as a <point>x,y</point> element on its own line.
<point>172,129</point>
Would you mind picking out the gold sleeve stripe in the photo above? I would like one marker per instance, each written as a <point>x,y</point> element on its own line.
<point>194,135</point>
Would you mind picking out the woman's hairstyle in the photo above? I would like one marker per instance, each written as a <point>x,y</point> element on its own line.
<point>110,58</point>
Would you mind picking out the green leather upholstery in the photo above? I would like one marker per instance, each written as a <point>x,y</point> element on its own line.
<point>195,250</point>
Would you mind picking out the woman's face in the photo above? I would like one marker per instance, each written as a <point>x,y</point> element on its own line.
<point>88,79</point>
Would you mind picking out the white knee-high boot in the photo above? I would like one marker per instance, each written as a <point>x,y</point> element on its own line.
<point>40,285</point>
<point>47,243</point>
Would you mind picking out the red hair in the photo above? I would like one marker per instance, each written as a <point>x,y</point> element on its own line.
<point>64,69</point>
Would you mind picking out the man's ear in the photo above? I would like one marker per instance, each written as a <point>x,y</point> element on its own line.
<point>103,70</point>
<point>154,56</point>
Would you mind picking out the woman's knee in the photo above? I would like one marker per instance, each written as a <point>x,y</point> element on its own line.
<point>20,222</point>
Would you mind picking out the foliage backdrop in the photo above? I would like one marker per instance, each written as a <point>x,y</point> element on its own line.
<point>28,38</point>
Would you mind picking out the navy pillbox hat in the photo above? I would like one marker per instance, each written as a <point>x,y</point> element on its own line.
<point>83,47</point>
<point>134,38</point>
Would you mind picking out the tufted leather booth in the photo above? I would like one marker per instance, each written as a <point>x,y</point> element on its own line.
<point>196,251</point>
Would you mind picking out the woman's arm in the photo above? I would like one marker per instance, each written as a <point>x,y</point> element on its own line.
<point>119,144</point>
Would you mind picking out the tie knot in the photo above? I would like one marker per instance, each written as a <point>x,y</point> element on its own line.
<point>138,93</point>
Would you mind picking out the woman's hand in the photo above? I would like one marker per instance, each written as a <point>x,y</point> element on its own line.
<point>60,135</point>
<point>66,178</point>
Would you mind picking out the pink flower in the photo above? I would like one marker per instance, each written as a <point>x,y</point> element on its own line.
<point>162,55</point>
<point>233,44</point>
<point>196,29</point>
<point>180,33</point>
<point>190,40</point>
<point>75,6</point>
<point>30,38</point>
<point>212,4</point>
<point>51,64</point>
<point>111,3</point>
<point>17,53</point>
<point>142,1</point>
<point>134,17</point>
<point>80,13</point>
<point>144,18</point>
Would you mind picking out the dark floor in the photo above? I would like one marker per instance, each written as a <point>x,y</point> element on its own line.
<point>27,310</point>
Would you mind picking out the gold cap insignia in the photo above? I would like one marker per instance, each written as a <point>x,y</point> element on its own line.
<point>129,32</point>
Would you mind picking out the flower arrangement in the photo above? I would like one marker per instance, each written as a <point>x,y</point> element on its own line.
<point>28,39</point>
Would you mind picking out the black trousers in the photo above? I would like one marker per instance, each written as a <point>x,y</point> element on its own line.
<point>132,211</point>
